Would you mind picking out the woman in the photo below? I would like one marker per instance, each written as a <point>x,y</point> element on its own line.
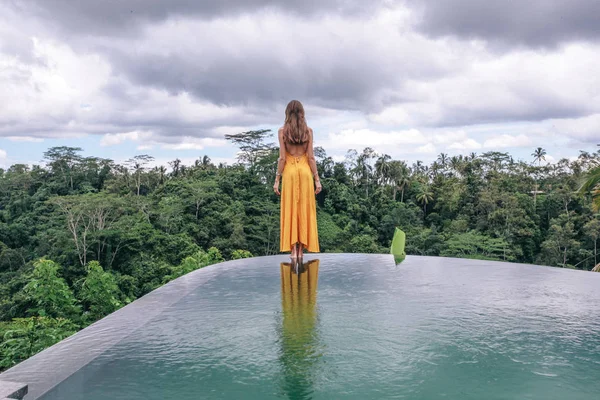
<point>297,165</point>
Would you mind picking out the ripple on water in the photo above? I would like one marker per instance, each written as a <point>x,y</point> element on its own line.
<point>358,327</point>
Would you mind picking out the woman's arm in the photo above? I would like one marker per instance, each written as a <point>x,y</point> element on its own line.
<point>280,161</point>
<point>313,163</point>
<point>311,156</point>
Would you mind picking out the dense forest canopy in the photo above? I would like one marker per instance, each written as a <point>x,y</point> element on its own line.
<point>82,236</point>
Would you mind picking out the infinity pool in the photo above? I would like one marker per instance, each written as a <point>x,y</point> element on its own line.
<point>343,326</point>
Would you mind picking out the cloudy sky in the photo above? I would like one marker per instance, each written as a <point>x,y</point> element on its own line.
<point>408,78</point>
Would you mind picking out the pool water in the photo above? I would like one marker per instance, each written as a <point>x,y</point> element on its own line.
<point>351,326</point>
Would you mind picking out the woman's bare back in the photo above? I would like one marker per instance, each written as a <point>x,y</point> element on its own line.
<point>300,149</point>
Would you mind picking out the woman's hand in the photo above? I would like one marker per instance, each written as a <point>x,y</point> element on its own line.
<point>319,187</point>
<point>276,187</point>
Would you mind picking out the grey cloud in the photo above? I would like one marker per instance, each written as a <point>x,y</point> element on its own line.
<point>131,118</point>
<point>116,17</point>
<point>265,81</point>
<point>536,23</point>
<point>540,111</point>
<point>347,78</point>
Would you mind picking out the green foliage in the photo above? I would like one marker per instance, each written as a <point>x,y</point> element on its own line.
<point>237,254</point>
<point>147,225</point>
<point>474,245</point>
<point>329,233</point>
<point>199,260</point>
<point>592,185</point>
<point>424,242</point>
<point>364,244</point>
<point>48,293</point>
<point>99,292</point>
<point>24,337</point>
<point>560,242</point>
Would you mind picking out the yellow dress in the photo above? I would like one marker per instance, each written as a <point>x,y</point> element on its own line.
<point>298,205</point>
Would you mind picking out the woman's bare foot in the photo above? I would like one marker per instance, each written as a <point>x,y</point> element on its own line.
<point>300,250</point>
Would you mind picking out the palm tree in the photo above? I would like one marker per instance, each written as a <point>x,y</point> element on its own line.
<point>351,164</point>
<point>443,160</point>
<point>396,175</point>
<point>592,185</point>
<point>417,169</point>
<point>382,169</point>
<point>364,166</point>
<point>176,165</point>
<point>161,171</point>
<point>400,175</point>
<point>456,163</point>
<point>434,169</point>
<point>539,155</point>
<point>424,196</point>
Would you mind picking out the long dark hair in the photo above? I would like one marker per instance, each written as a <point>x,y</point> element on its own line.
<point>295,129</point>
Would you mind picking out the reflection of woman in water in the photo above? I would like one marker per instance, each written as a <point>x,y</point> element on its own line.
<point>300,183</point>
<point>300,348</point>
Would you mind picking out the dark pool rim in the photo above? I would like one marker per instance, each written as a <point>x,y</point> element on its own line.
<point>45,370</point>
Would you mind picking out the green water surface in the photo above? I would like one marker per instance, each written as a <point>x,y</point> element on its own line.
<point>362,327</point>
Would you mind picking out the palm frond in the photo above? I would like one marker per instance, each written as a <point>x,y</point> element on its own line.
<point>592,181</point>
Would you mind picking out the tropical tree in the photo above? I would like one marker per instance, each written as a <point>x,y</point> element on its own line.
<point>539,155</point>
<point>137,165</point>
<point>25,337</point>
<point>382,169</point>
<point>99,292</point>
<point>252,145</point>
<point>63,160</point>
<point>400,176</point>
<point>443,160</point>
<point>457,165</point>
<point>363,164</point>
<point>48,294</point>
<point>424,196</point>
<point>561,241</point>
<point>592,231</point>
<point>592,185</point>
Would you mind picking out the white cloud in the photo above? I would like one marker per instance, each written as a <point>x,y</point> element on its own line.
<point>508,141</point>
<point>112,139</point>
<point>519,85</point>
<point>450,136</point>
<point>360,138</point>
<point>24,139</point>
<point>429,148</point>
<point>148,141</point>
<point>467,144</point>
<point>585,129</point>
<point>37,95</point>
<point>192,143</point>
